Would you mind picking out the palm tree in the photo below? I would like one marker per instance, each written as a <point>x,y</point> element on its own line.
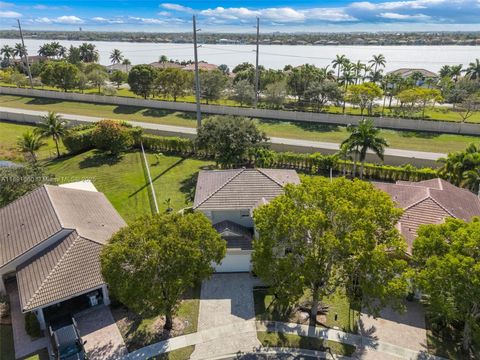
<point>456,164</point>
<point>19,50</point>
<point>52,125</point>
<point>116,56</point>
<point>357,69</point>
<point>471,180</point>
<point>473,70</point>
<point>362,138</point>
<point>88,53</point>
<point>456,72</point>
<point>29,143</point>
<point>326,73</point>
<point>7,51</point>
<point>444,71</point>
<point>338,63</point>
<point>378,60</point>
<point>127,63</point>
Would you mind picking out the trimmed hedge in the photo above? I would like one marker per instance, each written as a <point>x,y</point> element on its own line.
<point>79,140</point>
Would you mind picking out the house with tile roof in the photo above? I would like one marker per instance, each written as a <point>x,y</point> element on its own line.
<point>429,202</point>
<point>228,198</point>
<point>50,244</point>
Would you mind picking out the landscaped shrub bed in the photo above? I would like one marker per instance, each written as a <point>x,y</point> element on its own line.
<point>80,139</point>
<point>32,327</point>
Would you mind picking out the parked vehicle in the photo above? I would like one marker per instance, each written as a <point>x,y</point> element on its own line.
<point>67,342</point>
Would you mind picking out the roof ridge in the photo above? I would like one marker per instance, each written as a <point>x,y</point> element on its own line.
<point>268,176</point>
<point>443,207</point>
<point>53,206</point>
<point>221,187</point>
<point>417,202</point>
<point>59,262</point>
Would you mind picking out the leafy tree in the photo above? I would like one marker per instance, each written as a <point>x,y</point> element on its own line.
<point>112,136</point>
<point>212,84</point>
<point>74,55</point>
<point>116,56</point>
<point>97,77</point>
<point>242,67</point>
<point>173,82</point>
<point>160,257</point>
<point>29,143</point>
<point>276,94</point>
<point>364,95</point>
<point>323,236</point>
<point>362,138</point>
<point>418,98</point>
<point>469,106</point>
<point>319,93</point>
<point>447,262</point>
<point>118,77</point>
<point>141,79</point>
<point>299,80</point>
<point>52,125</point>
<point>244,92</point>
<point>18,79</point>
<point>60,74</point>
<point>224,69</point>
<point>19,180</point>
<point>229,139</point>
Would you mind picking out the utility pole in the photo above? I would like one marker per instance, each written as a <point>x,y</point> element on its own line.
<point>197,80</point>
<point>25,55</point>
<point>256,63</point>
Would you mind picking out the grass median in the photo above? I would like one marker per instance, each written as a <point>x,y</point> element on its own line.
<point>409,140</point>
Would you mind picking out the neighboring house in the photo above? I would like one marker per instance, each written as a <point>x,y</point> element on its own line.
<point>429,202</point>
<point>202,65</point>
<point>50,241</point>
<point>166,65</point>
<point>114,67</point>
<point>228,198</point>
<point>407,72</point>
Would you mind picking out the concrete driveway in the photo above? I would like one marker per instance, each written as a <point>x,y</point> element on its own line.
<point>227,301</point>
<point>97,327</point>
<point>406,330</point>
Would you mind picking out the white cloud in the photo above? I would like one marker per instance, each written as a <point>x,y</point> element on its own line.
<point>283,14</point>
<point>4,4</point>
<point>230,13</point>
<point>66,19</point>
<point>164,13</point>
<point>176,7</point>
<point>329,14</point>
<point>100,19</point>
<point>395,5</point>
<point>147,20</point>
<point>10,14</point>
<point>396,16</point>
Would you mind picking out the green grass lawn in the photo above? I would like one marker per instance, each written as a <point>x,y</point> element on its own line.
<point>9,133</point>
<point>318,132</point>
<point>124,183</point>
<point>347,317</point>
<point>7,352</point>
<point>273,339</point>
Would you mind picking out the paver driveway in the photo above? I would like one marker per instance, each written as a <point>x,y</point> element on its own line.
<point>227,299</point>
<point>104,341</point>
<point>406,330</point>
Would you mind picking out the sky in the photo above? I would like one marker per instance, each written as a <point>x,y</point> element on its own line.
<point>239,16</point>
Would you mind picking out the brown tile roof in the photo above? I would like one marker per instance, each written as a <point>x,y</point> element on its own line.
<point>25,223</point>
<point>406,72</point>
<point>240,188</point>
<point>429,202</point>
<point>166,65</point>
<point>236,236</point>
<point>68,268</point>
<point>201,66</point>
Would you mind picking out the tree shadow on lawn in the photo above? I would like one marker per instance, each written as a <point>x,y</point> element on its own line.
<point>419,135</point>
<point>188,186</point>
<point>157,177</point>
<point>157,112</point>
<point>100,158</point>
<point>128,110</point>
<point>43,101</point>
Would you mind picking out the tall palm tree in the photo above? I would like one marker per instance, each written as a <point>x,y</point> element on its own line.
<point>357,69</point>
<point>444,71</point>
<point>338,63</point>
<point>326,73</point>
<point>456,72</point>
<point>29,143</point>
<point>7,51</point>
<point>127,63</point>
<point>378,60</point>
<point>473,70</point>
<point>52,125</point>
<point>116,56</point>
<point>456,164</point>
<point>88,52</point>
<point>19,50</point>
<point>362,138</point>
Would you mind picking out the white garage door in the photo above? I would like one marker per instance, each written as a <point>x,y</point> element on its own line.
<point>234,263</point>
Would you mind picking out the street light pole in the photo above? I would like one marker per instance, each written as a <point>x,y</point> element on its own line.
<point>25,54</point>
<point>197,79</point>
<point>256,63</point>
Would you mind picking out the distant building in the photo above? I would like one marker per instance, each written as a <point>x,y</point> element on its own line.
<point>166,65</point>
<point>407,72</point>
<point>114,67</point>
<point>202,65</point>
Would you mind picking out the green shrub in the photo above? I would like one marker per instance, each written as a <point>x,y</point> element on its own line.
<point>4,306</point>
<point>168,144</point>
<point>79,139</point>
<point>32,327</point>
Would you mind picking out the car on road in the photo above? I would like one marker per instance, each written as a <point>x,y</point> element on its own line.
<point>66,341</point>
